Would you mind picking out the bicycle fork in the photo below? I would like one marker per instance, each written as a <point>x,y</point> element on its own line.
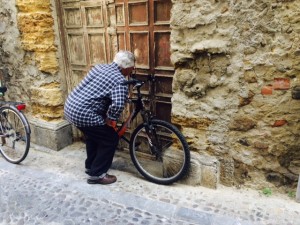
<point>153,141</point>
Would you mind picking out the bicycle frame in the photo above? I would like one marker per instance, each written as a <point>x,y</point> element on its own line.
<point>139,107</point>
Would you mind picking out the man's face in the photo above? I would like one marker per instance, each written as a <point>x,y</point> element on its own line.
<point>128,71</point>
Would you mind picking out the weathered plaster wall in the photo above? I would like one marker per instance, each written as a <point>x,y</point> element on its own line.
<point>11,52</point>
<point>236,64</point>
<point>29,56</point>
<point>30,61</point>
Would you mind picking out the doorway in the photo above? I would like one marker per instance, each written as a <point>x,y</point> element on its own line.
<point>93,31</point>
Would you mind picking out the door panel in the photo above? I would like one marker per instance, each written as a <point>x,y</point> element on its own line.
<point>139,42</point>
<point>162,50</point>
<point>138,13</point>
<point>72,18</point>
<point>77,52</point>
<point>94,16</point>
<point>97,46</point>
<point>120,14</point>
<point>162,12</point>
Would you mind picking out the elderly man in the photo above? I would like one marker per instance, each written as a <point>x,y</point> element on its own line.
<point>94,106</point>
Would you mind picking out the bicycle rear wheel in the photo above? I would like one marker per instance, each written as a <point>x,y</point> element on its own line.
<point>14,134</point>
<point>161,154</point>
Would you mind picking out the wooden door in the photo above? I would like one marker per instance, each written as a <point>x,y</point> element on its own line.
<point>93,31</point>
<point>143,27</point>
<point>86,37</point>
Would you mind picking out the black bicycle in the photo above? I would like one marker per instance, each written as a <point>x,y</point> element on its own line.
<point>157,148</point>
<point>14,130</point>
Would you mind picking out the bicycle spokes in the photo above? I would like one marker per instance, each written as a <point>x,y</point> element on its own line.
<point>161,156</point>
<point>14,142</point>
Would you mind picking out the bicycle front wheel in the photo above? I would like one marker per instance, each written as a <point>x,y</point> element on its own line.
<point>14,133</point>
<point>160,152</point>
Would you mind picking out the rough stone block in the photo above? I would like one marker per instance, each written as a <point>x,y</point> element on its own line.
<point>204,171</point>
<point>52,135</point>
<point>210,171</point>
<point>195,175</point>
<point>212,46</point>
<point>47,95</point>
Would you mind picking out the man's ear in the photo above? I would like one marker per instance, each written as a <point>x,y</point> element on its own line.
<point>123,71</point>
<point>126,72</point>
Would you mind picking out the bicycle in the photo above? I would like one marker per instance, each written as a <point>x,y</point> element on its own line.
<point>14,130</point>
<point>157,148</point>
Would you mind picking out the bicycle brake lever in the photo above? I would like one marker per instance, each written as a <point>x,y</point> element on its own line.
<point>151,77</point>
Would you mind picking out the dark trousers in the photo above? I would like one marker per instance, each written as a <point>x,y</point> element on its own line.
<point>101,144</point>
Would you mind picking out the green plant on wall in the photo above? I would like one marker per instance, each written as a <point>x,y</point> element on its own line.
<point>292,194</point>
<point>267,191</point>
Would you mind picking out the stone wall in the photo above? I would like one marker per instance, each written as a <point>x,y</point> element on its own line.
<point>30,62</point>
<point>30,57</point>
<point>236,65</point>
<point>36,24</point>
<point>11,52</point>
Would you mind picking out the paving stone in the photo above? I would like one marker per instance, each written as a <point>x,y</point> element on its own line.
<point>50,187</point>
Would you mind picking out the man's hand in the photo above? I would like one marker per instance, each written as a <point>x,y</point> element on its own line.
<point>111,123</point>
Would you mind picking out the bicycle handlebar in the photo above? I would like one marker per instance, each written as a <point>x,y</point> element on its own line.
<point>132,81</point>
<point>135,81</point>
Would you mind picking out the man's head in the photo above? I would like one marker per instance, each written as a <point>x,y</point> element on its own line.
<point>125,60</point>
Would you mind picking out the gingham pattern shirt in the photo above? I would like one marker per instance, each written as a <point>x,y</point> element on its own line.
<point>99,95</point>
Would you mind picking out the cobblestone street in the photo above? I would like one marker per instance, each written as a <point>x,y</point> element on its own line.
<point>50,188</point>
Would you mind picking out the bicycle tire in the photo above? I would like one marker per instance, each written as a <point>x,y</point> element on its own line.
<point>15,134</point>
<point>164,165</point>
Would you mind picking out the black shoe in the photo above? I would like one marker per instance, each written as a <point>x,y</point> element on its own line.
<point>87,171</point>
<point>107,179</point>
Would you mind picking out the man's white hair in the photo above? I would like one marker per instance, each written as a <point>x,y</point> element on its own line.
<point>124,59</point>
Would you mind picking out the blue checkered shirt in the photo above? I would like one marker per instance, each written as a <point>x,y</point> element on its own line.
<point>99,95</point>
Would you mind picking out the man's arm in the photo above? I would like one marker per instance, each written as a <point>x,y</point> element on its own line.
<point>118,96</point>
